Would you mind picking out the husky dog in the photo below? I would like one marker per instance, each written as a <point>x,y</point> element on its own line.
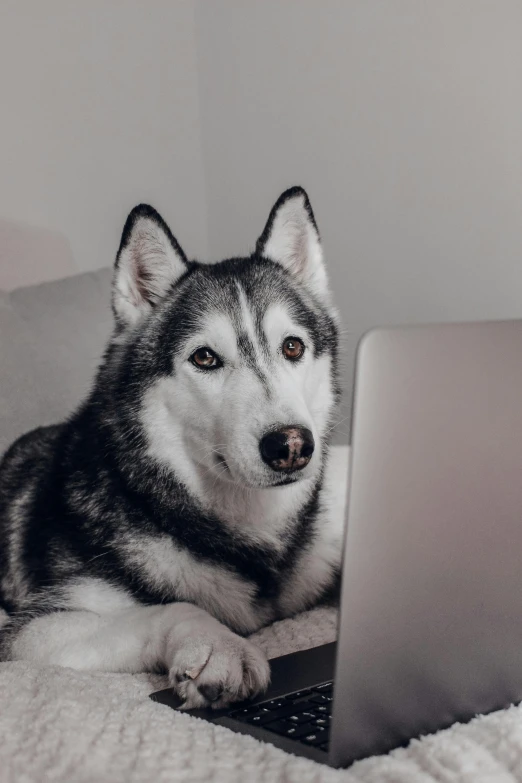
<point>186,503</point>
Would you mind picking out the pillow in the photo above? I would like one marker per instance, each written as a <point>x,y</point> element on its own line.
<point>52,337</point>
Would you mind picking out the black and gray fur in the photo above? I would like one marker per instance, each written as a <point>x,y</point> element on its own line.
<point>75,496</point>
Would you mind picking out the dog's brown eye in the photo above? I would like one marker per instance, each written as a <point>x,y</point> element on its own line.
<point>293,348</point>
<point>205,359</point>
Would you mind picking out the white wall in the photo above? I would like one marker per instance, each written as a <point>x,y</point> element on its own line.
<point>403,120</point>
<point>99,111</point>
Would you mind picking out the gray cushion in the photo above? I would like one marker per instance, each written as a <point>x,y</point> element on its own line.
<point>51,339</point>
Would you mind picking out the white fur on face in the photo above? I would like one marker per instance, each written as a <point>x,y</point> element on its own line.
<point>308,383</point>
<point>214,420</point>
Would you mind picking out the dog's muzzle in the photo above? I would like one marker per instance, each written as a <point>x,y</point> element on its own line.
<point>288,449</point>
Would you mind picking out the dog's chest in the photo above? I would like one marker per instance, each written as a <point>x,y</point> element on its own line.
<point>171,573</point>
<point>318,564</point>
<point>315,569</point>
<point>263,589</point>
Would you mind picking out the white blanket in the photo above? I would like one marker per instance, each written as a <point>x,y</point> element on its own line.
<point>65,726</point>
<point>71,727</point>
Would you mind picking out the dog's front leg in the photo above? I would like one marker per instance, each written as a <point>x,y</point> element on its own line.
<point>206,661</point>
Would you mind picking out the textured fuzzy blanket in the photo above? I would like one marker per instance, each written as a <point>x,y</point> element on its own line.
<point>65,726</point>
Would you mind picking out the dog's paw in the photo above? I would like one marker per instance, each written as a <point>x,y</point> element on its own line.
<point>217,668</point>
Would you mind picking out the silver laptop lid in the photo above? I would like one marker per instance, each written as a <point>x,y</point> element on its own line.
<point>431,609</point>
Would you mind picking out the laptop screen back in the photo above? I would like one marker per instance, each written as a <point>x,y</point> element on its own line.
<point>431,610</point>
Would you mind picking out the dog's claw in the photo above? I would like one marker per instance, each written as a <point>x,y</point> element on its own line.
<point>219,671</point>
<point>211,692</point>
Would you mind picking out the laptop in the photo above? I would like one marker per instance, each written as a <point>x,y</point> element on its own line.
<point>430,628</point>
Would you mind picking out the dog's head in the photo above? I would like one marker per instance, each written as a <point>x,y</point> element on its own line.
<point>230,366</point>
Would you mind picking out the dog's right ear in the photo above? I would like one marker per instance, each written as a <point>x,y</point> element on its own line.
<point>291,239</point>
<point>148,263</point>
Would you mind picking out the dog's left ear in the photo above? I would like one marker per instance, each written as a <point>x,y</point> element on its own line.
<point>148,263</point>
<point>291,238</point>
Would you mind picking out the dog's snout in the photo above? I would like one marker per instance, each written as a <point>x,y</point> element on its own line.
<point>287,449</point>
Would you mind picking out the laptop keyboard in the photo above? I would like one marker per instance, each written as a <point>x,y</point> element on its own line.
<point>303,715</point>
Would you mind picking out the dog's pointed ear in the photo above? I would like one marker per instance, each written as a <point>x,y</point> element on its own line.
<point>148,263</point>
<point>291,238</point>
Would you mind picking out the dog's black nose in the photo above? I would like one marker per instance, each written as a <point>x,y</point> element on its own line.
<point>287,449</point>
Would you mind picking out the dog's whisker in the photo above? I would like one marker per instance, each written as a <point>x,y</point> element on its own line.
<point>103,554</point>
<point>337,424</point>
<point>218,476</point>
<point>343,433</point>
<point>211,446</point>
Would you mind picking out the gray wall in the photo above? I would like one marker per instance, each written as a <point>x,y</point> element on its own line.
<point>403,120</point>
<point>100,110</point>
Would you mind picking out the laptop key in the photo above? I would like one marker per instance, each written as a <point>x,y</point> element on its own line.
<point>321,722</point>
<point>261,719</point>
<point>300,717</point>
<point>244,711</point>
<point>322,709</point>
<point>297,732</point>
<point>319,698</point>
<point>274,704</point>
<point>299,694</point>
<point>283,712</point>
<point>290,709</point>
<point>316,737</point>
<point>326,687</point>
